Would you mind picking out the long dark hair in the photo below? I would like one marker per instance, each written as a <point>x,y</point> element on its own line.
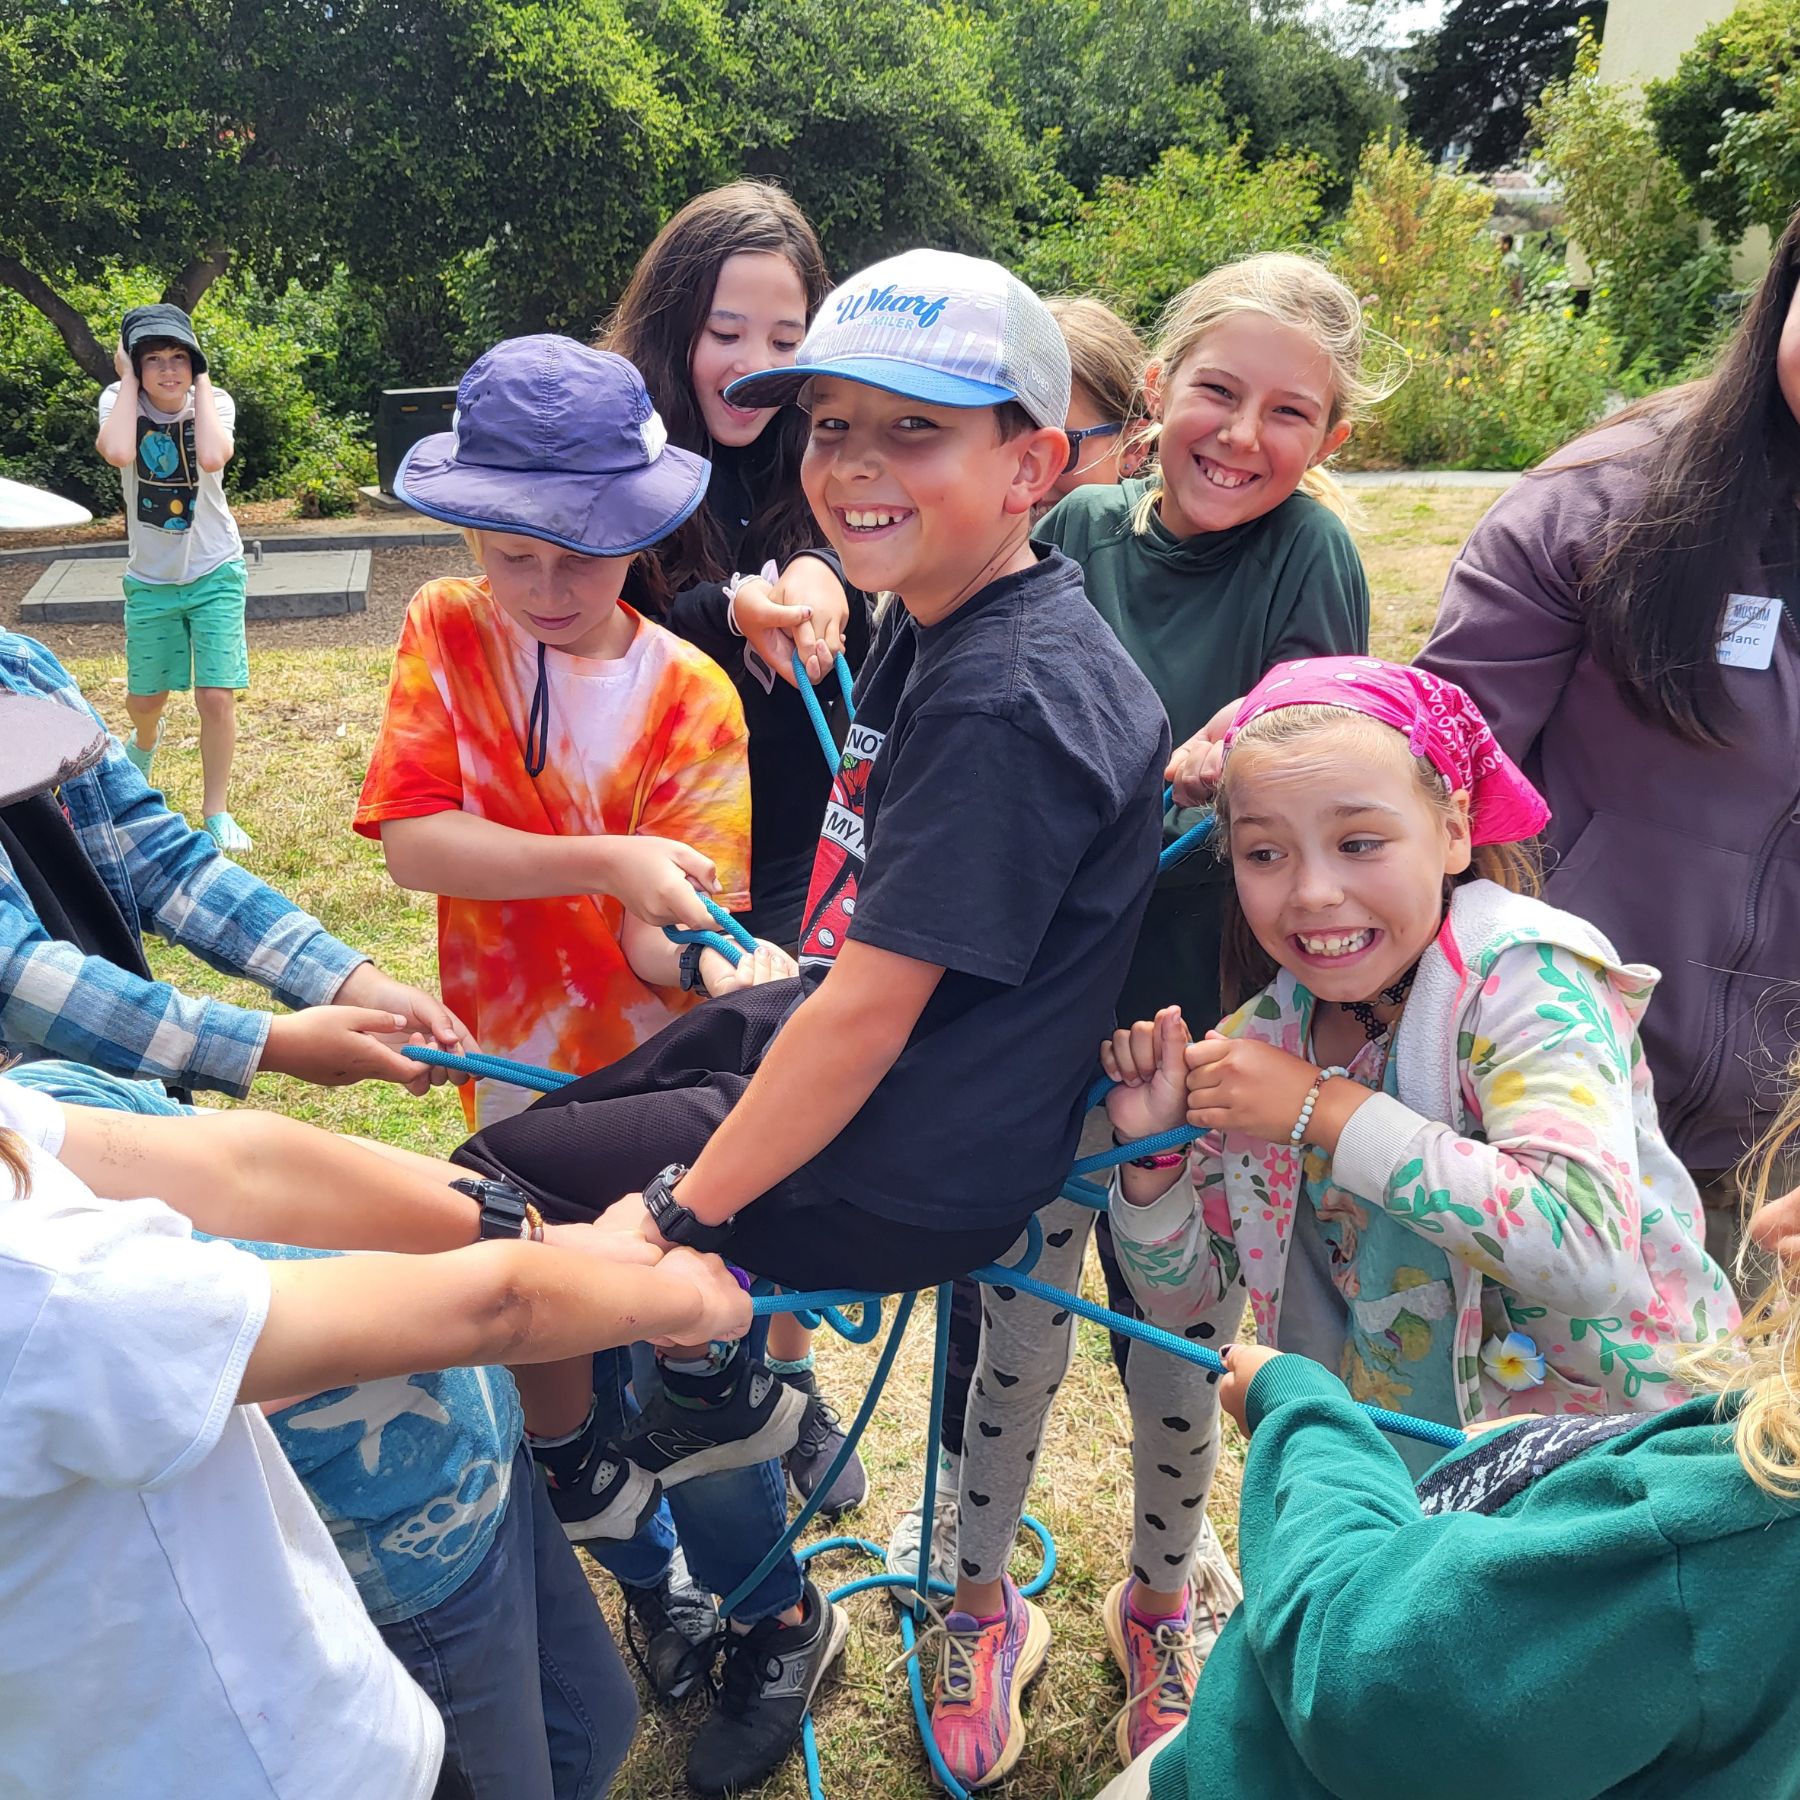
<point>657,319</point>
<point>1725,462</point>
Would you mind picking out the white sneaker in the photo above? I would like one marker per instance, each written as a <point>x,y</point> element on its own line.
<point>1217,1592</point>
<point>903,1545</point>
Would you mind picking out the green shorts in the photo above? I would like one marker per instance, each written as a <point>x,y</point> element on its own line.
<point>187,633</point>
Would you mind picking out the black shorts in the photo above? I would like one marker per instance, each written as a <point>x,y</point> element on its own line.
<point>579,1149</point>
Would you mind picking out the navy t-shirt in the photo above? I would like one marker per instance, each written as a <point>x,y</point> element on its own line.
<point>998,811</point>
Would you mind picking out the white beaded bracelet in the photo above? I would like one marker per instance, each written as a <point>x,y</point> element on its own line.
<point>1297,1136</point>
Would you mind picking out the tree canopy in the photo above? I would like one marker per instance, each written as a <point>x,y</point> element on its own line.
<point>1469,82</point>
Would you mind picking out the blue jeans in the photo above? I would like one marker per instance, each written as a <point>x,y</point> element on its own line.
<point>535,1701</point>
<point>726,1522</point>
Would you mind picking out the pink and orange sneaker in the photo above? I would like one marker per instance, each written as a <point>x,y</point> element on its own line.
<point>982,1671</point>
<point>1160,1667</point>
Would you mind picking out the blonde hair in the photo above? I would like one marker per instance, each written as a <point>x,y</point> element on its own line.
<point>1761,1361</point>
<point>1106,359</point>
<point>1245,965</point>
<point>1295,291</point>
<point>12,1160</point>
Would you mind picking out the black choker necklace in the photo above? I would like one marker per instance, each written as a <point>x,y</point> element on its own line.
<point>1363,1011</point>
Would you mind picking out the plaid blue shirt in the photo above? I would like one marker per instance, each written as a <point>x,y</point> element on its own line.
<point>167,878</point>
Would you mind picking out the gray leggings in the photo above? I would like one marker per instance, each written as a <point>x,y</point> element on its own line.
<point>1026,1346</point>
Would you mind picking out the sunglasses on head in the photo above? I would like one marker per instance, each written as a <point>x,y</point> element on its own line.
<point>1076,439</point>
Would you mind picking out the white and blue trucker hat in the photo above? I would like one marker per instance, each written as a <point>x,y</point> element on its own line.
<point>935,326</point>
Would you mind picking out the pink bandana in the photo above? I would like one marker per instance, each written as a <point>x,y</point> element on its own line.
<point>1440,722</point>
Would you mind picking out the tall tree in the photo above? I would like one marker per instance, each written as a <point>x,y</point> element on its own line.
<point>1730,117</point>
<point>548,137</point>
<point>886,121</point>
<point>1111,87</point>
<point>1469,82</point>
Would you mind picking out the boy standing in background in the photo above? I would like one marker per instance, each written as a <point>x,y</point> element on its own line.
<point>167,430</point>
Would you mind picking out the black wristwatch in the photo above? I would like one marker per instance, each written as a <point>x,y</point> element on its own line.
<point>691,982</point>
<point>674,1220</point>
<point>503,1206</point>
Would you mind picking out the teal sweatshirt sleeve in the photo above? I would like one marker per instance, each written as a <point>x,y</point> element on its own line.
<point>1544,1653</point>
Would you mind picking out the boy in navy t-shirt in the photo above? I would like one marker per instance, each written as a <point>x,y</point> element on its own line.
<point>892,1117</point>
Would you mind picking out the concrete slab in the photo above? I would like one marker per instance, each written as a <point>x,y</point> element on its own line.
<point>309,584</point>
<point>408,532</point>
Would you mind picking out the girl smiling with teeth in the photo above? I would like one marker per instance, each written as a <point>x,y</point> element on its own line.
<point>1435,1164</point>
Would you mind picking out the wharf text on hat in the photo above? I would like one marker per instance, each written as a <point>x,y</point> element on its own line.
<point>885,300</point>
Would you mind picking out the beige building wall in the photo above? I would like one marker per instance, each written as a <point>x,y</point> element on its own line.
<point>1644,41</point>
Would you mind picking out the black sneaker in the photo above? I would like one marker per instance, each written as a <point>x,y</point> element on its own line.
<point>771,1673</point>
<point>594,1491</point>
<point>821,1438</point>
<point>672,1631</point>
<point>760,1422</point>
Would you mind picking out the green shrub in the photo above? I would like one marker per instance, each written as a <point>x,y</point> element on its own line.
<point>1661,291</point>
<point>1494,382</point>
<point>1137,244</point>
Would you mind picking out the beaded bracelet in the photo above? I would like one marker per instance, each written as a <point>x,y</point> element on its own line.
<point>1297,1136</point>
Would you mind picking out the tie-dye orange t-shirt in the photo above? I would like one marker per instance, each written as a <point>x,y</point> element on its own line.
<point>652,742</point>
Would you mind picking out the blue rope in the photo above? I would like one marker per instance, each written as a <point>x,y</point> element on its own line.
<point>490,1068</point>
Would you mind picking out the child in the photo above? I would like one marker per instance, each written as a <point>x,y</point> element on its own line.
<point>1648,1559</point>
<point>728,288</point>
<point>1225,559</point>
<point>167,430</point>
<point>557,769</point>
<point>1437,1167</point>
<point>560,771</point>
<point>923,1096</point>
<point>1107,439</point>
<point>134,1361</point>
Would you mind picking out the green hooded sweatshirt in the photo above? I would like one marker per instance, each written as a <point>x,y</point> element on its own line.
<point>1205,618</point>
<point>1623,1626</point>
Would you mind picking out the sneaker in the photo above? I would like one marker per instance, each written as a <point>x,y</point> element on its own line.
<point>228,834</point>
<point>139,755</point>
<point>821,1438</point>
<point>594,1491</point>
<point>1161,1665</point>
<point>771,1673</point>
<point>903,1545</point>
<point>672,1631</point>
<point>982,1673</point>
<point>1217,1592</point>
<point>757,1424</point>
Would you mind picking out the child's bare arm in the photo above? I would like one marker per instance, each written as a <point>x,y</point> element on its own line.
<point>116,442</point>
<point>255,1175</point>
<point>359,1318</point>
<point>826,1062</point>
<point>465,857</point>
<point>213,446</point>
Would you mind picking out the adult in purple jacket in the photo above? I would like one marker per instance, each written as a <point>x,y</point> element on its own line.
<point>1628,618</point>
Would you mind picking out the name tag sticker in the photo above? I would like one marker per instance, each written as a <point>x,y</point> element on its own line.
<point>1751,625</point>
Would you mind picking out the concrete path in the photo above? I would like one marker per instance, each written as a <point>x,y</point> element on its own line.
<point>1427,478</point>
<point>308,584</point>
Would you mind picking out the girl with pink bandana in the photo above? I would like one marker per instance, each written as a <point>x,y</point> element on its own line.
<point>1433,1160</point>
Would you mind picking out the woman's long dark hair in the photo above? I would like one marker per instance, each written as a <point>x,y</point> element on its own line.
<point>1726,461</point>
<point>657,319</point>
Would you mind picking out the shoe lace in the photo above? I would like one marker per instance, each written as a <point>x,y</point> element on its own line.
<point>956,1665</point>
<point>1173,1646</point>
<point>647,1612</point>
<point>818,1426</point>
<point>750,1664</point>
<point>1212,1582</point>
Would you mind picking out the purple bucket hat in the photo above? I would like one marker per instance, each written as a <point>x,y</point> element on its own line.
<point>553,440</point>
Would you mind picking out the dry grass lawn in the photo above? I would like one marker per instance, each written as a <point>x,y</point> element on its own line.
<point>307,725</point>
